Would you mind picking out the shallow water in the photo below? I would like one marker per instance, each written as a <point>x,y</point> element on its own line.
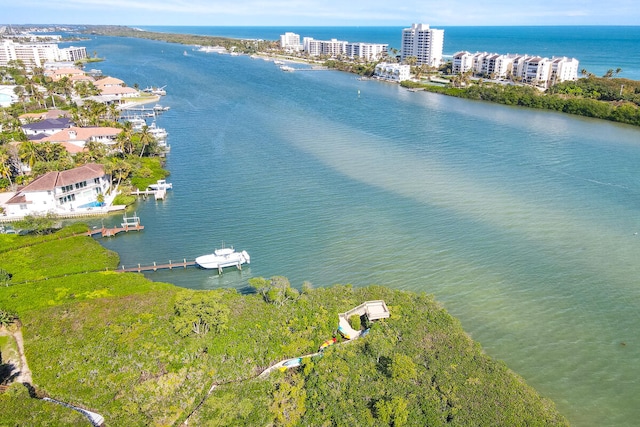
<point>522,223</point>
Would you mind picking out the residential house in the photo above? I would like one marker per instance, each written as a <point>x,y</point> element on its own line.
<point>58,73</point>
<point>61,192</point>
<point>75,138</point>
<point>43,128</point>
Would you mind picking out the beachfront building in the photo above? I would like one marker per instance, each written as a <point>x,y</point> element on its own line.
<point>533,70</point>
<point>331,48</point>
<point>423,43</point>
<point>392,71</point>
<point>563,69</point>
<point>36,54</point>
<point>461,62</point>
<point>537,70</point>
<point>60,192</point>
<point>366,51</point>
<point>290,42</point>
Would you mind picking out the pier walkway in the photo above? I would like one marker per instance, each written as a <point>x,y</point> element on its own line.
<point>131,223</point>
<point>171,265</point>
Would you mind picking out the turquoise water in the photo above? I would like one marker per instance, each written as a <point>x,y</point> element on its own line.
<point>91,205</point>
<point>598,48</point>
<point>522,223</point>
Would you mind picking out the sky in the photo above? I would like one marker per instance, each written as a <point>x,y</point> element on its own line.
<point>320,12</point>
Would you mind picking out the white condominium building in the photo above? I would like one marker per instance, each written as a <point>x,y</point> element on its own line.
<point>529,69</point>
<point>423,43</point>
<point>36,54</point>
<point>367,51</point>
<point>393,72</point>
<point>563,69</point>
<point>331,47</point>
<point>290,41</point>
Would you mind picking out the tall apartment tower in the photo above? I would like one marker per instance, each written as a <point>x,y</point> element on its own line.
<point>424,43</point>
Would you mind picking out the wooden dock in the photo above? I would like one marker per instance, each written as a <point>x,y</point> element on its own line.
<point>110,232</point>
<point>159,194</point>
<point>171,265</point>
<point>128,224</point>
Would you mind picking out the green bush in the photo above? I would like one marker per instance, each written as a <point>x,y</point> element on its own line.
<point>107,341</point>
<point>355,322</point>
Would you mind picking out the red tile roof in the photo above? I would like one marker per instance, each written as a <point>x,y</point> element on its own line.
<point>82,134</point>
<point>51,180</point>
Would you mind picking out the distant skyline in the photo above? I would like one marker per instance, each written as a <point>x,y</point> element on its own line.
<point>320,13</point>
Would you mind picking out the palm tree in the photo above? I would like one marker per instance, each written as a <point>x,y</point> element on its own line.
<point>28,153</point>
<point>411,60</point>
<point>146,138</point>
<point>113,112</point>
<point>6,167</point>
<point>120,169</point>
<point>123,139</point>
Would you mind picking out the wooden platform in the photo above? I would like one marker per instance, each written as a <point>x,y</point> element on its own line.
<point>110,232</point>
<point>171,265</point>
<point>159,194</point>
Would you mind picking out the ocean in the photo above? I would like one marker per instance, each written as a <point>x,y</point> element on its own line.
<point>523,223</point>
<point>598,48</point>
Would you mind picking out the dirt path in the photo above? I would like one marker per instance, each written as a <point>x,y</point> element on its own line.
<point>24,373</point>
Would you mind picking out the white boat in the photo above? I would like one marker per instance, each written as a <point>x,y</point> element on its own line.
<point>159,108</point>
<point>221,258</point>
<point>287,68</point>
<point>158,133</point>
<point>155,90</point>
<point>161,184</point>
<point>137,123</point>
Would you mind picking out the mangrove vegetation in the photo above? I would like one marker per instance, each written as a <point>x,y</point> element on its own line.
<point>144,353</point>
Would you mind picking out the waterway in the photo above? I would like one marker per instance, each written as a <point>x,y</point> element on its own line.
<point>523,223</point>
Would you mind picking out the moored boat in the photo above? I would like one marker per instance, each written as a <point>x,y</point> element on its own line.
<point>161,184</point>
<point>221,258</point>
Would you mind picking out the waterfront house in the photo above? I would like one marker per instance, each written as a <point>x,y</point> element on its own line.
<point>79,136</point>
<point>109,81</point>
<point>58,73</point>
<point>60,192</point>
<point>118,91</point>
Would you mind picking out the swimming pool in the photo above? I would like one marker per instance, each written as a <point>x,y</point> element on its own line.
<point>90,205</point>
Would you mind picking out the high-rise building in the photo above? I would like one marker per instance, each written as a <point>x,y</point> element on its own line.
<point>290,41</point>
<point>423,43</point>
<point>36,54</point>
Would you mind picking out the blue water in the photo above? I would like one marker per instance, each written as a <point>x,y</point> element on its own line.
<point>91,205</point>
<point>521,222</point>
<point>598,48</point>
